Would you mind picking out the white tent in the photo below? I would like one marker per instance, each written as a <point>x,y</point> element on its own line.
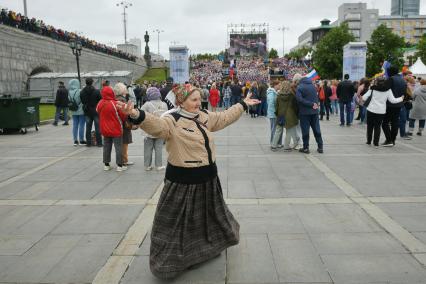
<point>418,68</point>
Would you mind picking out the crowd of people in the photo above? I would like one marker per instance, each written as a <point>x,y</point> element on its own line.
<point>206,71</point>
<point>288,67</point>
<point>37,26</point>
<point>184,117</point>
<point>254,69</point>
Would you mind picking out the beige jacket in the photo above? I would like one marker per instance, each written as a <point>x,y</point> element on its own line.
<point>185,139</point>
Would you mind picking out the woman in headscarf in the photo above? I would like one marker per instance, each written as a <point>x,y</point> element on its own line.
<point>192,223</point>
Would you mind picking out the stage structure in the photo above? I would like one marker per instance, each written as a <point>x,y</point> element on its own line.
<point>179,63</point>
<point>247,39</point>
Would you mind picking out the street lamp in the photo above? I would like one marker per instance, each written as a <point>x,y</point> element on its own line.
<point>158,39</point>
<point>125,5</point>
<point>283,29</point>
<point>76,47</point>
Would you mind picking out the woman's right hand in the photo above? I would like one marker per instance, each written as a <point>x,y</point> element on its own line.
<point>127,109</point>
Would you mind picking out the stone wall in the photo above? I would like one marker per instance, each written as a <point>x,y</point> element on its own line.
<point>22,52</point>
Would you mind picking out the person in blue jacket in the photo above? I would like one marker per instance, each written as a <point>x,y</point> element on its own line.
<point>308,103</point>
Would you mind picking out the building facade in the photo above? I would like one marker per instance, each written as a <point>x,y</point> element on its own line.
<point>138,43</point>
<point>319,32</point>
<point>411,28</point>
<point>405,7</point>
<point>361,21</point>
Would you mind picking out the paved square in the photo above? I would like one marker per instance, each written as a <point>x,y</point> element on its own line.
<point>352,215</point>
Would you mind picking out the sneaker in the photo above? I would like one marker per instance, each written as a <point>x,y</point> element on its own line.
<point>305,151</point>
<point>320,150</point>
<point>75,143</point>
<point>160,168</point>
<point>130,163</point>
<point>341,124</point>
<point>66,123</point>
<point>409,134</point>
<point>148,168</point>
<point>287,149</point>
<point>349,124</point>
<point>83,142</point>
<point>419,133</point>
<point>388,144</point>
<point>368,143</point>
<point>280,146</point>
<point>107,168</point>
<point>297,147</point>
<point>55,124</point>
<point>121,169</point>
<point>274,149</point>
<point>376,146</point>
<point>406,137</point>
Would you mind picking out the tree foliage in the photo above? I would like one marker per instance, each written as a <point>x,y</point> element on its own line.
<point>421,49</point>
<point>299,53</point>
<point>273,53</point>
<point>384,45</point>
<point>328,54</point>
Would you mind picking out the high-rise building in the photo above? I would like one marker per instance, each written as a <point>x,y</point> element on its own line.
<point>361,21</point>
<point>405,7</point>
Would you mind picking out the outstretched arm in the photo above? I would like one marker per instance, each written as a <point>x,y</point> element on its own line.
<point>220,120</point>
<point>151,124</point>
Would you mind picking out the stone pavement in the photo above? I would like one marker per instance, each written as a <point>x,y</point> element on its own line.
<point>352,215</point>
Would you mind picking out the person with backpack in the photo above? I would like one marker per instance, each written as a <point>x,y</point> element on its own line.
<point>76,108</point>
<point>155,106</point>
<point>61,104</point>
<point>90,97</point>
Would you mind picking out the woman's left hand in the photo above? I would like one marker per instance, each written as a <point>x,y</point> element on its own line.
<point>251,102</point>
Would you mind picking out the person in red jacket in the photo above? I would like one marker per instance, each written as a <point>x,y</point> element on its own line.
<point>214,97</point>
<point>111,122</point>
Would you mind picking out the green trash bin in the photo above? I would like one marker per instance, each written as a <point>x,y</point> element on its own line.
<point>18,114</point>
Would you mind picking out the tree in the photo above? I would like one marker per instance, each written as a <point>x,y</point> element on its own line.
<point>384,46</point>
<point>273,53</point>
<point>328,54</point>
<point>299,53</point>
<point>421,48</point>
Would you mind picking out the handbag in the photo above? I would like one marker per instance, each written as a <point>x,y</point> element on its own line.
<point>367,101</point>
<point>408,105</point>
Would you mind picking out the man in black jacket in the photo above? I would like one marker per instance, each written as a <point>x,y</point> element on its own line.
<point>345,93</point>
<point>169,86</point>
<point>390,122</point>
<point>90,97</point>
<point>61,103</point>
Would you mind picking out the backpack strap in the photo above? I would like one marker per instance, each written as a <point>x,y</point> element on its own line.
<point>176,116</point>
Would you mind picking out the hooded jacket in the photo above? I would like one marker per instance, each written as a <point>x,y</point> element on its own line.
<point>74,95</point>
<point>419,103</point>
<point>306,96</point>
<point>287,107</point>
<point>110,118</point>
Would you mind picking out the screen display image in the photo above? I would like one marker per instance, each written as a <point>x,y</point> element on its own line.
<point>248,44</point>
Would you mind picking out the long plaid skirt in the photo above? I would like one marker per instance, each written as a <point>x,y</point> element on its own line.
<point>192,224</point>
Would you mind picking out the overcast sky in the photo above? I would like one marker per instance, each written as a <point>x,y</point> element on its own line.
<point>199,24</point>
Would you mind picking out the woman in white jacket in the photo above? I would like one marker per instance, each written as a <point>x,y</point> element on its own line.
<point>376,109</point>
